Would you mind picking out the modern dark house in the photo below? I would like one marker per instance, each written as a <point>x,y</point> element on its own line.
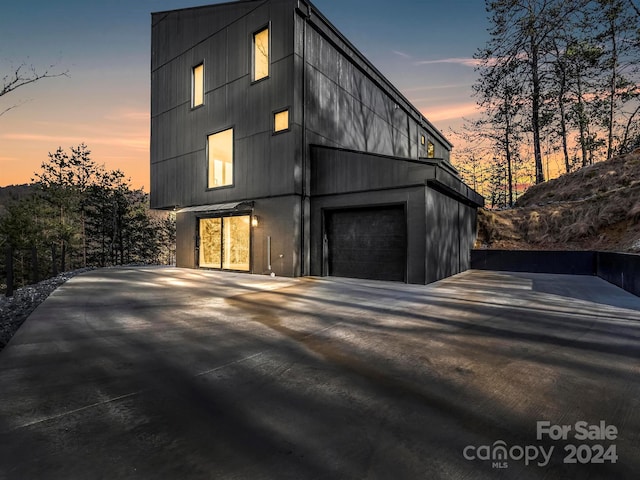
<point>283,150</point>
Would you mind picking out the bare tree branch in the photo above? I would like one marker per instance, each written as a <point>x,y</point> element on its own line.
<point>24,75</point>
<point>7,109</point>
<point>635,7</point>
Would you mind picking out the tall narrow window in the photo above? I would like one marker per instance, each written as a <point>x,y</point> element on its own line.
<point>261,54</point>
<point>220,148</point>
<point>210,242</point>
<point>431,150</point>
<point>197,85</point>
<point>281,121</point>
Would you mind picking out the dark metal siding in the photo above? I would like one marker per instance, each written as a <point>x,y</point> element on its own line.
<point>350,105</point>
<point>443,231</point>
<point>264,165</point>
<point>367,243</point>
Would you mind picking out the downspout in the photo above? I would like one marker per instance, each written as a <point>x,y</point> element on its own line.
<point>303,256</point>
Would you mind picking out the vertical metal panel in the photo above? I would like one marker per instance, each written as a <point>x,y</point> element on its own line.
<point>185,240</point>
<point>216,66</point>
<point>238,50</point>
<point>442,240</point>
<point>467,222</point>
<point>278,219</point>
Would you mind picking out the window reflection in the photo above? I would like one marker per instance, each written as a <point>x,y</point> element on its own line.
<point>236,243</point>
<point>210,244</point>
<point>261,54</point>
<point>431,150</point>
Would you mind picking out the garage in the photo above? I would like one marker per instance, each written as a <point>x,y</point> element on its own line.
<point>368,243</point>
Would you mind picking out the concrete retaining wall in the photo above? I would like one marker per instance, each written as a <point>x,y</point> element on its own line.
<point>621,269</point>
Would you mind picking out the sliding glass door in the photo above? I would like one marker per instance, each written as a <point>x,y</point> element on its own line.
<point>225,243</point>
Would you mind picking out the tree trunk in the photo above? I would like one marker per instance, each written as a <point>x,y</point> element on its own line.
<point>63,255</point>
<point>9,269</point>
<point>535,112</point>
<point>54,263</point>
<point>582,127</point>
<point>612,93</point>
<point>563,128</point>
<point>35,273</point>
<point>507,145</point>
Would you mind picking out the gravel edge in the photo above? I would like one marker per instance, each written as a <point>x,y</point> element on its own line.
<point>16,309</point>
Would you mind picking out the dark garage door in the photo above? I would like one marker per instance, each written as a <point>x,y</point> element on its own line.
<point>367,243</point>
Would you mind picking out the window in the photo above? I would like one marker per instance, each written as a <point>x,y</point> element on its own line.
<point>261,54</point>
<point>210,242</point>
<point>422,140</point>
<point>225,242</point>
<point>431,150</point>
<point>197,85</point>
<point>220,164</point>
<point>281,121</point>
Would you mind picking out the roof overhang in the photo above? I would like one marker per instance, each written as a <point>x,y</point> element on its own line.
<point>219,208</point>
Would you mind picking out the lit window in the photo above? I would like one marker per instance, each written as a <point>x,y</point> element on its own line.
<point>261,54</point>
<point>422,140</point>
<point>220,158</point>
<point>281,121</point>
<point>431,150</point>
<point>197,85</point>
<point>225,243</point>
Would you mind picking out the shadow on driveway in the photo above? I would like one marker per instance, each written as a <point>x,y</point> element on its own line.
<point>169,373</point>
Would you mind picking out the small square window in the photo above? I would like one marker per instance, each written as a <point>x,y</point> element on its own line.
<point>281,121</point>
<point>197,85</point>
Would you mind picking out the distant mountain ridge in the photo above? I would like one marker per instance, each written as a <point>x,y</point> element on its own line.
<point>12,193</point>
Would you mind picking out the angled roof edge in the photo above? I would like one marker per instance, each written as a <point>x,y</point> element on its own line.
<point>313,11</point>
<point>211,5</point>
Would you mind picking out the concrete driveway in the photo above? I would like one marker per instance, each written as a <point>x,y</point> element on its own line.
<point>165,373</point>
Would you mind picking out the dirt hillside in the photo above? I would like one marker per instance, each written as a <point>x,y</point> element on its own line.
<point>595,208</point>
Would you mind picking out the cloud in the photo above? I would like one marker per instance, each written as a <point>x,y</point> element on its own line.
<point>424,88</point>
<point>467,62</point>
<point>137,115</point>
<point>451,112</point>
<point>134,142</point>
<point>401,54</point>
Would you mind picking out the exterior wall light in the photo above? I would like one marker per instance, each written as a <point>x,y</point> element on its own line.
<point>254,220</point>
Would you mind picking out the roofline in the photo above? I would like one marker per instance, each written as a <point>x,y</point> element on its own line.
<point>198,7</point>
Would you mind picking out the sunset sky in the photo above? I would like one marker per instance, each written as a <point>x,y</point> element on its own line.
<point>424,47</point>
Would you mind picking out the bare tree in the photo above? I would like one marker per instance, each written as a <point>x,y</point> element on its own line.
<point>519,48</point>
<point>24,75</point>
